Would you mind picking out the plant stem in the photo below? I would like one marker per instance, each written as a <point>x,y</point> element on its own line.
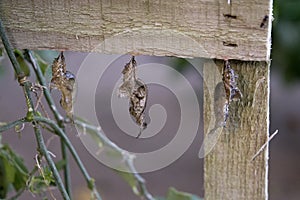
<point>42,147</point>
<point>60,132</point>
<point>58,118</point>
<point>12,124</point>
<point>26,88</point>
<point>141,182</point>
<point>67,172</point>
<point>20,74</point>
<point>127,157</point>
<point>10,53</point>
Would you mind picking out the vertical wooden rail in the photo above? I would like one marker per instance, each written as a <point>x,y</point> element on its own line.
<point>229,172</point>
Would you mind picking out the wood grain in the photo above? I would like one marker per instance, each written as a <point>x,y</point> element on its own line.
<point>229,172</point>
<point>194,28</point>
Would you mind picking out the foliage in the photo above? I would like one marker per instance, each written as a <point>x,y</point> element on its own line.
<point>13,172</point>
<point>286,38</point>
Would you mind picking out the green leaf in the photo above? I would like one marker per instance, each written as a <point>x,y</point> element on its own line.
<point>60,164</point>
<point>47,55</point>
<point>15,171</point>
<point>7,174</point>
<point>45,59</point>
<point>25,66</point>
<point>41,62</point>
<point>48,176</point>
<point>130,179</point>
<point>174,194</point>
<point>37,185</point>
<point>48,74</point>
<point>3,183</point>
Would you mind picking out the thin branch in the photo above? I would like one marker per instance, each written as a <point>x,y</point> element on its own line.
<point>141,182</point>
<point>12,124</point>
<point>60,132</point>
<point>26,85</point>
<point>66,167</point>
<point>264,145</point>
<point>128,157</point>
<point>44,151</point>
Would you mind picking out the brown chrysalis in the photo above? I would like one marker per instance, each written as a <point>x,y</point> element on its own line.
<point>137,92</point>
<point>225,92</point>
<point>64,81</point>
<point>230,84</point>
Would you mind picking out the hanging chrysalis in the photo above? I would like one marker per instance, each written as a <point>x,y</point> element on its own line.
<point>224,95</point>
<point>64,81</point>
<point>230,84</point>
<point>136,91</point>
<point>225,92</point>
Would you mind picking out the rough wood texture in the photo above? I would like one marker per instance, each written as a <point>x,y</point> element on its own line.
<point>229,172</point>
<point>194,28</point>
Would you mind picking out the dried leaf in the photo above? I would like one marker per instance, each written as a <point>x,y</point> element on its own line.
<point>65,82</point>
<point>25,66</point>
<point>136,91</point>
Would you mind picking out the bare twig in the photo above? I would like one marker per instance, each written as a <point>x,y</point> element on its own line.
<point>12,124</point>
<point>126,155</point>
<point>264,145</point>
<point>39,98</point>
<point>44,151</point>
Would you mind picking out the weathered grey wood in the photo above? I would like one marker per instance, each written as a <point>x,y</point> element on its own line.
<point>229,172</point>
<point>194,28</point>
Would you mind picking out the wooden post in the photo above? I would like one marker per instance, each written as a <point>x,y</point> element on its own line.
<point>229,171</point>
<point>239,30</point>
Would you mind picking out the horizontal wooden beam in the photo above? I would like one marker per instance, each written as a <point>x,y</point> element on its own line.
<point>194,28</point>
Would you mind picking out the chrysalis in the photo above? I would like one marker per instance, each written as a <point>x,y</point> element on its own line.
<point>136,91</point>
<point>225,92</point>
<point>230,84</point>
<point>63,81</point>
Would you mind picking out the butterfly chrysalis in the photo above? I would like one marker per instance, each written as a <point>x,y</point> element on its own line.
<point>225,92</point>
<point>64,81</point>
<point>136,91</point>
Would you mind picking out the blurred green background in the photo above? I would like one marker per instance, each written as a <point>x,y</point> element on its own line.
<point>286,39</point>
